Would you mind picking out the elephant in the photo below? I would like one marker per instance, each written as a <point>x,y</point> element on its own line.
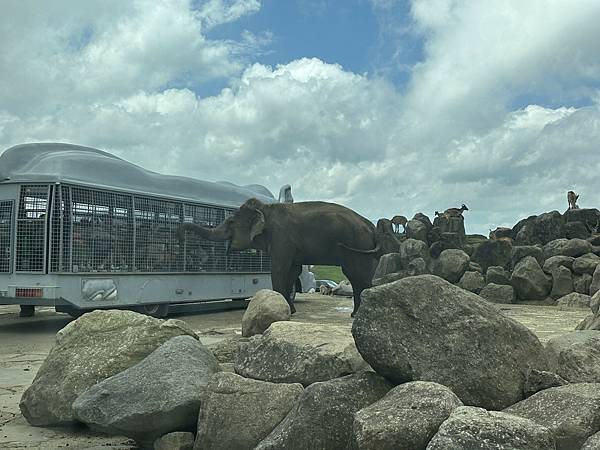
<point>294,234</point>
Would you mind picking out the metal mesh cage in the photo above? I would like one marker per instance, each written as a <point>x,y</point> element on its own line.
<point>93,230</point>
<point>31,228</point>
<point>5,235</point>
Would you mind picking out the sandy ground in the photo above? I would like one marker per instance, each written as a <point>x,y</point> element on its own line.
<point>25,342</point>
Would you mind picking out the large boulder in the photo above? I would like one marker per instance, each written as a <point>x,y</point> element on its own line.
<point>406,418</point>
<point>538,380</point>
<point>264,308</point>
<point>566,247</point>
<point>411,249</point>
<point>497,275</point>
<point>586,263</point>
<point>575,356</point>
<point>595,302</point>
<point>576,230</point>
<point>498,293</point>
<point>582,283</point>
<point>238,413</point>
<point>521,251</point>
<point>178,440</point>
<point>475,428</point>
<point>160,394</point>
<point>571,412</point>
<point>415,229</point>
<point>388,263</point>
<point>574,300</point>
<point>587,216</point>
<point>493,253</point>
<point>556,261</point>
<point>343,289</point>
<point>529,280</point>
<point>472,281</point>
<point>562,282</point>
<point>294,352</point>
<point>94,347</point>
<point>424,328</point>
<point>451,265</point>
<point>322,417</point>
<point>539,229</point>
<point>592,443</point>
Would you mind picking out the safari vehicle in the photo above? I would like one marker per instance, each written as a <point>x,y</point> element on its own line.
<point>82,229</point>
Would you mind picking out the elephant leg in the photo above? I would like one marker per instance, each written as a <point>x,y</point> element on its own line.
<point>280,279</point>
<point>359,272</point>
<point>293,280</point>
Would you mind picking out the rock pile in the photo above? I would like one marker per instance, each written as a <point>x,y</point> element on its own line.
<point>542,258</point>
<point>447,371</point>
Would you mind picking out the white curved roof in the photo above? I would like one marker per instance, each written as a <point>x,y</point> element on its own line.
<point>58,162</point>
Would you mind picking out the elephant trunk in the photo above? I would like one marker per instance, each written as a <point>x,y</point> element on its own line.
<point>219,233</point>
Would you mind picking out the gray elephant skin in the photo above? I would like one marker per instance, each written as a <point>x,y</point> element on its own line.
<point>294,234</point>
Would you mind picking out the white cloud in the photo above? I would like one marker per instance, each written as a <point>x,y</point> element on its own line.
<point>125,82</point>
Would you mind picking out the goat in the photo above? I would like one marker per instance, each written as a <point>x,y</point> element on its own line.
<point>455,212</point>
<point>397,221</point>
<point>572,199</point>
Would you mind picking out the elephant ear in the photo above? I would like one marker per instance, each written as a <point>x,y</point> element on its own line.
<point>258,225</point>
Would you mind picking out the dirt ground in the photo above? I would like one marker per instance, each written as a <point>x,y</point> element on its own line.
<point>25,343</point>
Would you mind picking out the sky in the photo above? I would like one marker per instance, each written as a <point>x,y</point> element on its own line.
<point>385,106</point>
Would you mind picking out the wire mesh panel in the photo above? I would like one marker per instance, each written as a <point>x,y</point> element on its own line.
<point>97,226</point>
<point>202,255</point>
<point>157,248</point>
<point>5,235</point>
<point>31,228</point>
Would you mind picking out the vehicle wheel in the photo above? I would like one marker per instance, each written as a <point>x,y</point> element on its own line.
<point>154,310</point>
<point>72,311</point>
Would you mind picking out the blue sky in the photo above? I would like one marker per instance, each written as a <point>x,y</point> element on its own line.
<point>386,106</point>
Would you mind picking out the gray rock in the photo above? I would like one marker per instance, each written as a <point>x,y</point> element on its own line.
<point>96,346</point>
<point>538,380</point>
<point>592,443</point>
<point>474,267</point>
<point>591,322</point>
<point>322,417</point>
<point>411,249</point>
<point>576,230</point>
<point>595,302</point>
<point>472,281</point>
<point>588,216</point>
<point>415,229</point>
<point>159,395</point>
<point>529,280</point>
<point>402,328</point>
<point>226,349</point>
<point>573,300</point>
<point>556,261</point>
<point>406,418</point>
<point>417,266</point>
<point>294,352</point>
<point>423,218</point>
<point>475,428</point>
<point>451,265</point>
<point>539,229</point>
<point>238,413</point>
<point>498,293</point>
<point>343,289</point>
<point>566,247</point>
<point>571,412</point>
<point>264,308</point>
<point>497,275</point>
<point>575,356</point>
<point>179,440</point>
<point>389,263</point>
<point>390,277</point>
<point>521,251</point>
<point>586,263</point>
<point>582,283</point>
<point>493,253</point>
<point>595,285</point>
<point>562,282</point>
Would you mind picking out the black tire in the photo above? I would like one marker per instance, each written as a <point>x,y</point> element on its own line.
<point>72,311</point>
<point>158,310</point>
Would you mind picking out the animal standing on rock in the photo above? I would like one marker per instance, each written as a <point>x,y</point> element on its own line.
<point>397,221</point>
<point>572,199</point>
<point>455,212</point>
<point>301,233</point>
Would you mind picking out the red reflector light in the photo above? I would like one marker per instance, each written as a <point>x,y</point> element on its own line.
<point>29,292</point>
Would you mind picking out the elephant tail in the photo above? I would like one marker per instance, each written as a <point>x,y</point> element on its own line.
<point>376,250</point>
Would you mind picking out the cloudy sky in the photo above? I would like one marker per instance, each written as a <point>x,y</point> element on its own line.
<point>385,106</point>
